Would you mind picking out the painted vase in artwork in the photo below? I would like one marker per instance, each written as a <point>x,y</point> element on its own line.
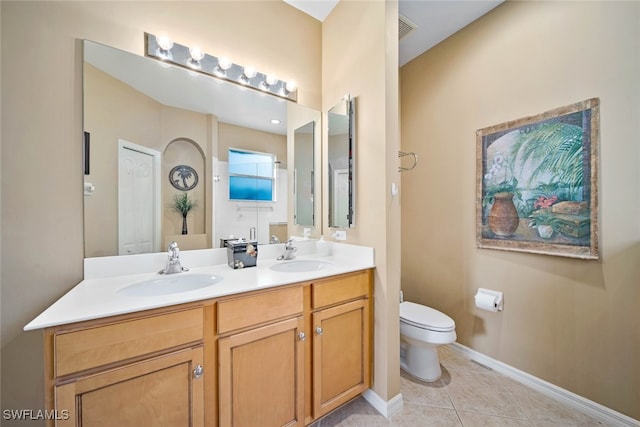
<point>503,217</point>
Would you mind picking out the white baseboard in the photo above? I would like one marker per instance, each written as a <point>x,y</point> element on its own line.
<point>594,409</point>
<point>385,408</point>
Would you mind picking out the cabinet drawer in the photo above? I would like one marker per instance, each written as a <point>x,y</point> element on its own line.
<point>260,308</point>
<point>342,288</point>
<point>102,345</point>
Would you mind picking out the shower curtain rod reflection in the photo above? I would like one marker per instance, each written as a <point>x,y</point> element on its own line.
<point>240,207</point>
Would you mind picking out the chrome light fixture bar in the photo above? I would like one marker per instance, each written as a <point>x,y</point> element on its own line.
<point>194,59</point>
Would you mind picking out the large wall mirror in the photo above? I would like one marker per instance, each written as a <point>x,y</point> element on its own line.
<point>341,163</point>
<point>158,135</point>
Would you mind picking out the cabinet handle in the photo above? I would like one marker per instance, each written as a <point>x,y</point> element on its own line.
<point>302,335</point>
<point>198,371</point>
<point>319,330</point>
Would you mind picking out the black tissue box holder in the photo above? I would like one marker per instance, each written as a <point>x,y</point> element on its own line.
<point>242,254</point>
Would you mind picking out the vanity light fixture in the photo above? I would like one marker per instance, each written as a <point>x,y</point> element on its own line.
<point>163,48</point>
<point>275,121</point>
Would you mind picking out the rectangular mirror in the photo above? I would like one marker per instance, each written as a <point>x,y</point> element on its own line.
<point>303,174</point>
<point>170,129</point>
<point>341,163</point>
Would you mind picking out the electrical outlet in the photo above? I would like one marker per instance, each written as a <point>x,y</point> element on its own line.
<point>340,235</point>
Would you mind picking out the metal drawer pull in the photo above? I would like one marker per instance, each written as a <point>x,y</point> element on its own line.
<point>319,330</point>
<point>302,336</point>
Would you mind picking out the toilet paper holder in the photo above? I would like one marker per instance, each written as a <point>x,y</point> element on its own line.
<point>488,299</point>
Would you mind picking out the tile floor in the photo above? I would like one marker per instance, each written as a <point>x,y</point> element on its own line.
<point>467,394</point>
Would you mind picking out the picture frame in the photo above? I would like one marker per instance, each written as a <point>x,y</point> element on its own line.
<point>537,183</point>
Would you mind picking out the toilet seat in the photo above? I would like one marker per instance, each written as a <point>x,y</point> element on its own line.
<point>424,317</point>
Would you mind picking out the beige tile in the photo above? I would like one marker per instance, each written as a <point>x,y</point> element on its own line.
<point>545,411</point>
<point>453,361</point>
<point>469,395</point>
<point>413,415</point>
<point>424,393</point>
<point>473,419</point>
<point>482,392</point>
<point>357,413</point>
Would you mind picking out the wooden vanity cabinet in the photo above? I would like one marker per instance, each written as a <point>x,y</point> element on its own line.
<point>341,340</point>
<point>146,370</point>
<point>283,356</point>
<point>290,356</point>
<point>261,359</point>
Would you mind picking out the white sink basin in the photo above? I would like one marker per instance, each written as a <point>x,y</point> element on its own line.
<point>171,284</point>
<point>300,266</point>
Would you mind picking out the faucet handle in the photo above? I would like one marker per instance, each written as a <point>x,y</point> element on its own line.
<point>173,250</point>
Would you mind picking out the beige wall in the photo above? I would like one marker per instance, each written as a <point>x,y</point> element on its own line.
<point>360,58</point>
<point>571,322</point>
<point>232,136</point>
<point>42,133</point>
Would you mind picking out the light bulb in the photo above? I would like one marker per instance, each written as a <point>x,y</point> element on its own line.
<point>196,53</point>
<point>291,86</point>
<point>164,42</point>
<point>250,72</point>
<point>271,79</point>
<point>224,63</point>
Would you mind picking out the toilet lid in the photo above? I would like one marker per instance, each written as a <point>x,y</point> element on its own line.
<point>425,317</point>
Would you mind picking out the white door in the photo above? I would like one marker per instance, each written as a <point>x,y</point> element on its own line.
<point>138,200</point>
<point>341,198</point>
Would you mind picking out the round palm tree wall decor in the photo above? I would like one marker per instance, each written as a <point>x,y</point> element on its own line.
<point>183,177</point>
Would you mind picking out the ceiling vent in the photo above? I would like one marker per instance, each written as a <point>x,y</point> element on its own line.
<point>405,26</point>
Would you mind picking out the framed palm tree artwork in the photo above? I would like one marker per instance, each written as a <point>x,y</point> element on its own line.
<point>537,183</point>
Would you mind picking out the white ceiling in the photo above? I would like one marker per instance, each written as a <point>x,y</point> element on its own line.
<point>319,9</point>
<point>435,19</point>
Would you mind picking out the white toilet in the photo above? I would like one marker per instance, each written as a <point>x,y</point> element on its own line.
<point>422,329</point>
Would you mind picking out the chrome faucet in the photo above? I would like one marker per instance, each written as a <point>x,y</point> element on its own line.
<point>173,263</point>
<point>289,249</point>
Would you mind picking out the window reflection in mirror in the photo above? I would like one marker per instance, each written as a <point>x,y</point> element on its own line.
<point>303,174</point>
<point>341,162</point>
<point>252,176</point>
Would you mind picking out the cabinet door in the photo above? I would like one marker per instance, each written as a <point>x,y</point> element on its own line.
<point>163,391</point>
<point>261,376</point>
<point>340,355</point>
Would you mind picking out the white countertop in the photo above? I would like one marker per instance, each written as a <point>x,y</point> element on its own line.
<point>98,297</point>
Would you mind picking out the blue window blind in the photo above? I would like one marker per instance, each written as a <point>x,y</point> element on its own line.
<point>251,175</point>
